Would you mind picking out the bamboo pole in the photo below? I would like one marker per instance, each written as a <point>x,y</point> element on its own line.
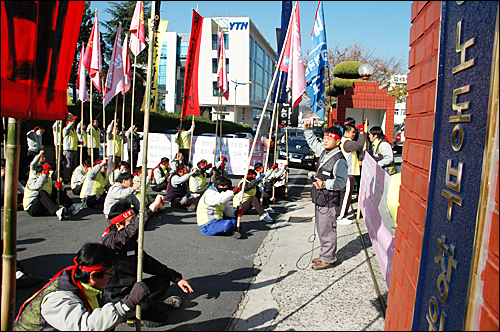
<point>114,138</point>
<point>140,253</point>
<point>92,129</point>
<point>13,150</point>
<point>219,101</point>
<point>132,118</point>
<point>60,138</point>
<point>270,135</point>
<point>81,128</point>
<point>261,118</point>
<point>286,140</point>
<point>274,161</point>
<point>191,140</point>
<point>123,126</point>
<point>104,155</point>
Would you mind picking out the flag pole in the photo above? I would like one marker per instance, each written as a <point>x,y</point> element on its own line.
<point>81,128</point>
<point>270,133</point>
<point>104,155</point>
<point>191,140</point>
<point>140,253</point>
<point>92,129</point>
<point>123,125</point>
<point>114,136</point>
<point>275,147</point>
<point>132,117</point>
<point>58,160</point>
<point>286,140</point>
<point>262,118</point>
<point>217,127</point>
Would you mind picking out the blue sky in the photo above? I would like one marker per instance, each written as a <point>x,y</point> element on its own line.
<point>381,26</point>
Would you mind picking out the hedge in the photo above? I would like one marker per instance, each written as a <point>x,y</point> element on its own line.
<point>347,69</point>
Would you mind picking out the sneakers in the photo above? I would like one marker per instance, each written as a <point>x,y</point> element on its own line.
<point>60,213</point>
<point>172,303</point>
<point>344,221</point>
<point>192,208</point>
<point>266,217</point>
<point>77,208</point>
<point>270,210</point>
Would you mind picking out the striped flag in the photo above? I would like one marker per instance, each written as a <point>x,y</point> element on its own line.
<point>137,30</point>
<point>115,81</point>
<point>81,80</point>
<point>318,60</point>
<point>292,59</point>
<point>126,66</point>
<point>92,60</point>
<point>222,82</point>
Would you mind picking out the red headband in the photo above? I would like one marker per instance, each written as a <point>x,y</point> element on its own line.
<point>93,268</point>
<point>123,216</point>
<point>332,135</point>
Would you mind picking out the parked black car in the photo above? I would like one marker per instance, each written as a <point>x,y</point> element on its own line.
<point>299,153</point>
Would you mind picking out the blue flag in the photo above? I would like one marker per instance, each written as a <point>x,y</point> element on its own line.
<point>286,12</point>
<point>318,60</point>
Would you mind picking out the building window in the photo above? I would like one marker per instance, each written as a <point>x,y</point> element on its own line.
<point>216,89</point>
<point>183,49</point>
<point>214,41</point>
<point>243,114</point>
<point>403,111</point>
<point>396,112</point>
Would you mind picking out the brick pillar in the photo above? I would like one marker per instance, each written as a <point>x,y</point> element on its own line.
<point>420,107</point>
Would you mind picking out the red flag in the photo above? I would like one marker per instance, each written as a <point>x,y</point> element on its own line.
<point>191,105</point>
<point>126,66</point>
<point>222,69</point>
<point>115,81</point>
<point>92,58</point>
<point>81,80</point>
<point>137,30</point>
<point>37,57</point>
<point>292,59</point>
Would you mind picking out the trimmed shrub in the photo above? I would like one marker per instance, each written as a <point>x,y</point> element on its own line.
<point>347,69</point>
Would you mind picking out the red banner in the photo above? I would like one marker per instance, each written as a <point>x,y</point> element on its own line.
<point>190,104</point>
<point>39,40</point>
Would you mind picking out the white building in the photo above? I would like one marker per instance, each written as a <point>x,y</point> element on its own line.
<point>249,57</point>
<point>400,108</point>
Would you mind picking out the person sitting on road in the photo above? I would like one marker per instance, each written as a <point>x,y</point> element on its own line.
<point>220,168</point>
<point>177,193</point>
<point>40,198</point>
<point>121,236</point>
<point>123,167</point>
<point>96,182</point>
<point>382,150</point>
<point>138,179</point>
<point>122,191</point>
<point>71,300</point>
<point>215,214</point>
<point>78,177</point>
<point>198,182</point>
<point>178,159</point>
<point>161,173</point>
<point>265,181</point>
<point>249,198</point>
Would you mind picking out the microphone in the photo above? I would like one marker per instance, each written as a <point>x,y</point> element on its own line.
<point>311,176</point>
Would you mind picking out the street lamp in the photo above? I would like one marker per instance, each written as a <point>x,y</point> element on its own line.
<point>365,71</point>
<point>236,83</point>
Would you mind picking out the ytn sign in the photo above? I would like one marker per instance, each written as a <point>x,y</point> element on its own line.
<point>239,25</point>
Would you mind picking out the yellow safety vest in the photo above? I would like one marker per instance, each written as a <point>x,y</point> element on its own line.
<point>71,141</point>
<point>96,137</point>
<point>206,213</point>
<point>117,146</point>
<point>93,187</point>
<point>351,157</point>
<point>30,195</point>
<point>248,194</point>
<point>184,141</point>
<point>202,181</point>
<point>84,138</point>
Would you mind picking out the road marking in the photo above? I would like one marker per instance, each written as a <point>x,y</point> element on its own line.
<point>296,177</point>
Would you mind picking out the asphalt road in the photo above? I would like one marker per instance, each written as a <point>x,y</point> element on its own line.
<point>218,268</point>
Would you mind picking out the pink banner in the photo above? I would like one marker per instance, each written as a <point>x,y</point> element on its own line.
<point>374,182</point>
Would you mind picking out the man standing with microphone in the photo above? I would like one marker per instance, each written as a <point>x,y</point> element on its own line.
<point>331,178</point>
